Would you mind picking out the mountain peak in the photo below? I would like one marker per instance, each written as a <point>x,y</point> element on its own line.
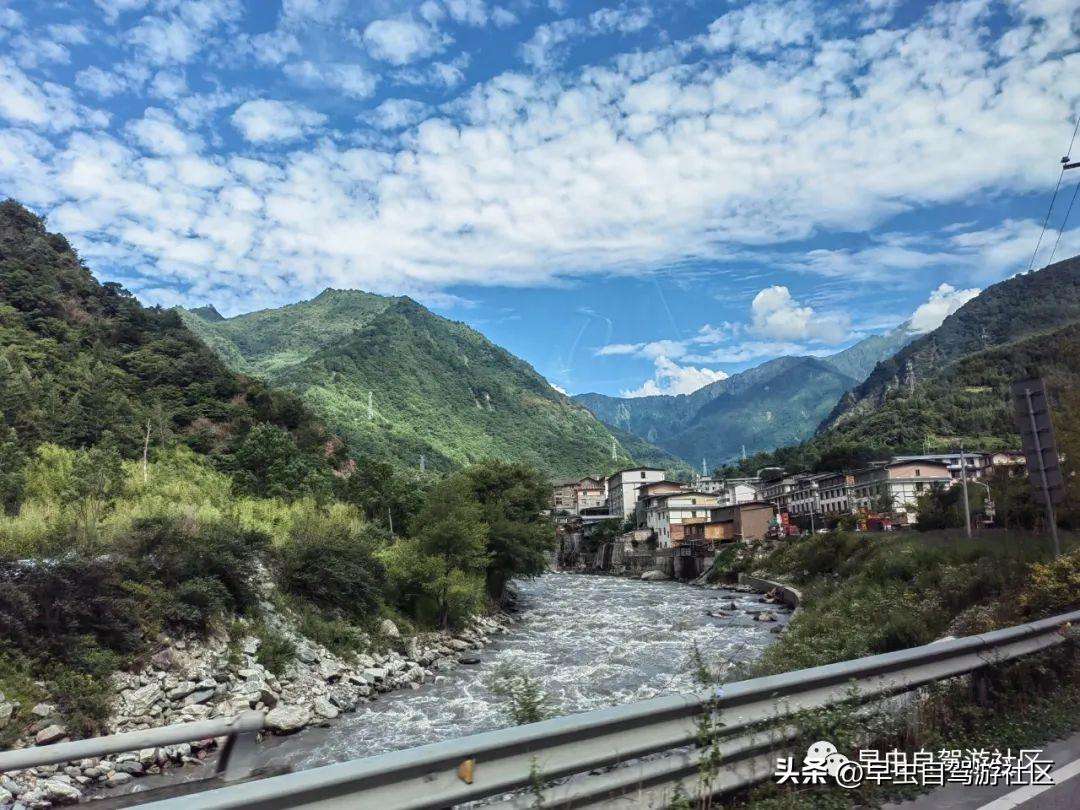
<point>208,313</point>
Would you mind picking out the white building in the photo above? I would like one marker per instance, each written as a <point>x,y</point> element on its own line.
<point>804,499</point>
<point>667,514</point>
<point>897,486</point>
<point>739,490</point>
<point>623,488</point>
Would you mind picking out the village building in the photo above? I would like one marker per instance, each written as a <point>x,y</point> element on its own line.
<point>590,493</point>
<point>730,524</point>
<point>665,515</point>
<point>623,489</point>
<point>778,491</point>
<point>739,490</point>
<point>804,499</point>
<point>648,493</point>
<point>834,492</point>
<point>896,486</point>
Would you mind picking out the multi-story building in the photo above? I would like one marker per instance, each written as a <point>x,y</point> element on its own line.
<point>834,492</point>
<point>709,483</point>
<point>590,493</point>
<point>623,486</point>
<point>648,493</point>
<point>977,463</point>
<point>667,514</point>
<point>804,499</point>
<point>739,490</point>
<point>728,524</point>
<point>896,486</point>
<point>777,491</point>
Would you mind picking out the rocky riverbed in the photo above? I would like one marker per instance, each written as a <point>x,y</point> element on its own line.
<point>591,641</point>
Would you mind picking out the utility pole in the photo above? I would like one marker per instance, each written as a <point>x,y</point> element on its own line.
<point>967,504</point>
<point>614,452</point>
<point>423,463</point>
<point>1051,518</point>
<point>390,515</point>
<point>370,407</point>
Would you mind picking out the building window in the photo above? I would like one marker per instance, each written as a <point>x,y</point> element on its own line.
<point>643,474</point>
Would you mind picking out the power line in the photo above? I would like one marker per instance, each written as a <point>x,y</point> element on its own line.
<point>1064,222</point>
<point>1053,197</point>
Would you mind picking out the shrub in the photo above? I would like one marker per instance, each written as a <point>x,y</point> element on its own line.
<point>524,701</point>
<point>207,570</point>
<point>332,564</point>
<point>1053,587</point>
<point>276,651</point>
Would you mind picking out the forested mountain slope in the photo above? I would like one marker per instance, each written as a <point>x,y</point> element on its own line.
<point>83,363</point>
<point>777,403</point>
<point>951,386</point>
<point>772,404</point>
<point>438,389</point>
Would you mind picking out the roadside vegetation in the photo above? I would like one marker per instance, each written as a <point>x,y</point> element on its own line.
<point>873,593</point>
<point>100,555</point>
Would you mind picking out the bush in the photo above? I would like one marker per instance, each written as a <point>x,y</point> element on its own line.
<point>208,570</point>
<point>332,564</point>
<point>275,651</point>
<point>1053,587</point>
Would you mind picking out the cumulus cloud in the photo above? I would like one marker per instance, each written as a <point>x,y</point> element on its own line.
<point>265,120</point>
<point>351,79</point>
<point>546,48</point>
<point>943,302</point>
<point>647,160</point>
<point>671,378</point>
<point>403,40</point>
<point>157,133</point>
<point>775,314</point>
<point>397,113</point>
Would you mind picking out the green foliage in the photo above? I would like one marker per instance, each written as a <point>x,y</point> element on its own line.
<point>332,564</point>
<point>84,365</point>
<point>12,473</point>
<point>386,496</point>
<point>269,464</point>
<point>438,388</point>
<point>208,569</point>
<point>275,651</point>
<point>866,594</point>
<point>524,701</point>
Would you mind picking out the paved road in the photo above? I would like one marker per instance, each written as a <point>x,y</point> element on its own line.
<point>1064,795</point>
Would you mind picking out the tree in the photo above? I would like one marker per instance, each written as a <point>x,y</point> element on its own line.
<point>384,495</point>
<point>269,464</point>
<point>12,476</point>
<point>512,499</point>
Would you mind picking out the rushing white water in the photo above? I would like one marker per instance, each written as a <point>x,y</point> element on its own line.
<point>591,641</point>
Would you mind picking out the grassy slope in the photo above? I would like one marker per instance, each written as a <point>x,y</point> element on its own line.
<point>439,389</point>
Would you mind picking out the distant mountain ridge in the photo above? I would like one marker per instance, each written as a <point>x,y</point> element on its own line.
<point>778,402</point>
<point>438,390</point>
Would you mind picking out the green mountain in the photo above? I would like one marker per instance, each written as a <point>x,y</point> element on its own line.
<point>84,363</point>
<point>776,403</point>
<point>858,361</point>
<point>437,389</point>
<point>952,384</point>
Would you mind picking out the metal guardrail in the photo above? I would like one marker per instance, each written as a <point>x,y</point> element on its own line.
<point>625,742</point>
<point>234,762</point>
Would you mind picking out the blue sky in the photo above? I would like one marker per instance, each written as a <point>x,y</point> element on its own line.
<point>636,197</point>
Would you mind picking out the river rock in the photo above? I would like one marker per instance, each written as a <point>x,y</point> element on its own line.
<point>7,711</point>
<point>287,719</point>
<point>117,778</point>
<point>181,690</point>
<point>51,791</point>
<point>139,701</point>
<point>43,710</point>
<point>324,708</point>
<point>50,734</point>
<point>655,576</point>
<point>389,629</point>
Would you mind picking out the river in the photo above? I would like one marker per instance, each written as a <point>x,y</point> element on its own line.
<point>590,641</point>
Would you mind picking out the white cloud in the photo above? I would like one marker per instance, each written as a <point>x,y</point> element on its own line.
<point>112,9</point>
<point>351,79</point>
<point>44,105</point>
<point>435,74</point>
<point>547,46</point>
<point>671,378</point>
<point>943,302</point>
<point>403,40</point>
<point>265,120</point>
<point>397,113</point>
<point>157,133</point>
<point>775,314</point>
<point>100,82</point>
<point>469,12</point>
<point>503,17</point>
<point>762,27</point>
<point>169,85</point>
<point>647,160</point>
